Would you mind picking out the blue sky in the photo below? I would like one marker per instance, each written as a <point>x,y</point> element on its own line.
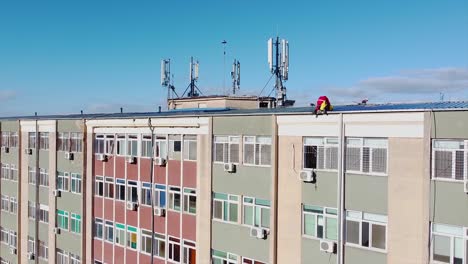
<point>98,56</point>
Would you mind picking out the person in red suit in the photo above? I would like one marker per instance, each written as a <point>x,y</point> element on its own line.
<point>323,105</point>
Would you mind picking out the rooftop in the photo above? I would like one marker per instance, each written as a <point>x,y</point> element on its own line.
<point>357,108</point>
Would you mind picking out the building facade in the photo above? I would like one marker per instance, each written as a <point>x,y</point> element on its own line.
<point>363,184</point>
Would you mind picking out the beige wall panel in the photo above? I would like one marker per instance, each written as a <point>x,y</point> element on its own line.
<point>408,195</point>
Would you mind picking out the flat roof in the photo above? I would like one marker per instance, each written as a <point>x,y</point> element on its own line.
<point>357,108</point>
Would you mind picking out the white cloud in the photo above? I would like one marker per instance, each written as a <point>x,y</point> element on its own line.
<point>6,95</point>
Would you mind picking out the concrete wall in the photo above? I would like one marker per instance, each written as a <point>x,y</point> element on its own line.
<point>366,193</point>
<point>450,124</point>
<point>449,203</point>
<point>364,256</point>
<point>243,125</point>
<point>311,252</point>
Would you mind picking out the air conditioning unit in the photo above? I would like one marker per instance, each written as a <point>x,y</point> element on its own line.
<point>57,231</point>
<point>327,246</point>
<point>13,251</point>
<point>160,161</point>
<point>131,206</point>
<point>69,155</point>
<point>230,167</point>
<point>257,232</point>
<point>5,149</point>
<point>28,151</point>
<point>307,176</point>
<point>57,193</point>
<point>159,211</point>
<point>102,157</point>
<point>131,160</point>
<point>465,186</point>
<point>30,255</point>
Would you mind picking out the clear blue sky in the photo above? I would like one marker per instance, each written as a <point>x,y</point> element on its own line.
<point>64,56</point>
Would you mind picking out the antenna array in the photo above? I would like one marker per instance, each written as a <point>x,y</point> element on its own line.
<point>278,61</point>
<point>235,75</point>
<point>194,69</point>
<point>166,79</point>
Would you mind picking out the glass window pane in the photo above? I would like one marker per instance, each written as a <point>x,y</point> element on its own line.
<point>309,224</point>
<point>365,234</point>
<point>258,214</point>
<point>248,215</point>
<point>218,209</point>
<point>265,217</point>
<point>441,248</point>
<point>332,228</point>
<point>352,232</point>
<point>233,212</point>
<point>378,236</point>
<point>458,250</point>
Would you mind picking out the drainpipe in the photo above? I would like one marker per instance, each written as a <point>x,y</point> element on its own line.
<point>36,202</point>
<point>341,192</point>
<point>152,188</point>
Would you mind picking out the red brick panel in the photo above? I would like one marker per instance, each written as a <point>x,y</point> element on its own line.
<point>109,166</point>
<point>160,174</point>
<point>190,174</point>
<point>132,171</point>
<point>145,167</point>
<point>97,247</point>
<point>97,207</point>
<point>119,253</point>
<point>108,252</point>
<point>174,172</point>
<point>131,256</point>
<point>173,223</point>
<point>120,211</point>
<point>189,227</point>
<point>108,209</point>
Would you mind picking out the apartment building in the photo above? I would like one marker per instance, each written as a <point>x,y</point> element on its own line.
<point>363,184</point>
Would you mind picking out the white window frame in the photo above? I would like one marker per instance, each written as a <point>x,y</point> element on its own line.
<point>5,139</point>
<point>360,218</point>
<point>66,215</point>
<point>325,143</point>
<point>325,215</point>
<point>98,180</point>
<point>145,234</point>
<point>97,144</point>
<point>121,145</point>
<point>74,259</point>
<point>76,142</point>
<point>13,205</point>
<point>5,171</point>
<point>230,258</point>
<point>77,219</point>
<point>361,146</point>
<point>44,140</point>
<point>63,141</point>
<point>159,191</point>
<point>65,177</point>
<point>13,173</point>
<point>254,205</point>
<point>172,192</point>
<point>13,239</point>
<point>159,238</point>
<point>43,213</point>
<point>110,144</point>
<point>31,210</point>
<point>43,177</point>
<point>133,141</point>
<point>109,225</point>
<point>117,195</point>
<point>232,199</point>
<point>32,140</point>
<point>120,231</point>
<point>62,256</point>
<point>43,251</point>
<point>187,194</point>
<point>434,148</point>
<point>98,222</point>
<point>161,147</point>
<point>109,181</point>
<point>189,140</point>
<point>132,186</point>
<point>78,182</point>
<point>146,146</point>
<point>4,236</point>
<point>32,175</point>
<point>144,190</point>
<point>5,203</point>
<point>227,142</point>
<point>187,245</point>
<point>256,140</point>
<point>128,231</point>
<point>451,232</point>
<point>171,244</point>
<point>31,247</point>
<point>253,261</point>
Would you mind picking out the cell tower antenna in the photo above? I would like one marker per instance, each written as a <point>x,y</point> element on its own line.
<point>224,42</point>
<point>235,75</point>
<point>278,62</point>
<point>192,88</point>
<point>166,79</point>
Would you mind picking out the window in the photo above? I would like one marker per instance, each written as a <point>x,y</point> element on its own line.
<point>251,261</point>
<point>99,144</point>
<point>320,153</point>
<point>13,205</point>
<point>13,172</point>
<point>13,239</point>
<point>366,155</point>
<point>319,222</point>
<point>109,144</point>
<point>98,230</point>
<point>109,188</point>
<point>159,248</point>
<point>146,194</point>
<point>31,175</point>
<point>132,145</point>
<point>13,139</point>
<point>257,150</point>
<point>132,191</point>
<point>99,186</point>
<point>174,198</point>
<point>31,245</point>
<point>62,219</point>
<point>62,180</point>
<point>43,177</point>
<point>225,207</point>
<point>62,257</point>
<point>5,139</point>
<point>109,231</point>
<point>132,237</point>
<point>174,147</point>
<point>220,257</point>
<point>43,250</point>
<point>146,241</point>
<point>120,184</point>
<point>5,171</point>
<point>76,142</point>
<point>174,249</point>
<point>160,147</point>
<point>4,236</point>
<point>31,210</point>
<point>120,234</point>
<point>189,252</point>
<point>121,147</point>
<point>32,140</point>
<point>43,213</point>
<point>160,196</point>
<point>448,244</point>
<point>190,201</point>
<point>226,149</point>
<point>74,259</point>
<point>75,223</point>
<point>366,230</point>
<point>63,141</point>
<point>190,147</point>
<point>75,183</point>
<point>5,203</point>
<point>44,140</point>
<point>256,212</point>
<point>449,158</point>
<point>146,146</point>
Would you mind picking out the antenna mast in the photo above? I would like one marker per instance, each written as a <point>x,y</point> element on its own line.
<point>166,79</point>
<point>279,67</point>
<point>235,75</point>
<point>194,91</point>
